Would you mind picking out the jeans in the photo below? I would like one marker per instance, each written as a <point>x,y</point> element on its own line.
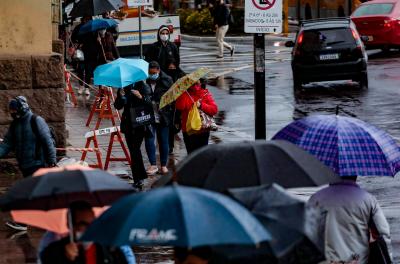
<point>162,133</point>
<point>195,141</point>
<point>134,140</point>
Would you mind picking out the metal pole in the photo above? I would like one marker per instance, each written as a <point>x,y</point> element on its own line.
<point>140,32</point>
<point>259,86</point>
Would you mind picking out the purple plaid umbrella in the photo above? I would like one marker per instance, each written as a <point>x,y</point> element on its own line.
<point>347,145</point>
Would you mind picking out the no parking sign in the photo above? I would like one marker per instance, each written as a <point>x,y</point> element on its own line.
<point>263,16</point>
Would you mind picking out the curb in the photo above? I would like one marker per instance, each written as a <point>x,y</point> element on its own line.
<point>247,38</point>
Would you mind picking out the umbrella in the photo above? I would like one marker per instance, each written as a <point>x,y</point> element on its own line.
<point>94,7</point>
<point>97,24</point>
<point>181,85</point>
<point>56,190</point>
<point>121,72</point>
<point>223,166</point>
<point>349,146</point>
<point>176,216</point>
<point>294,226</point>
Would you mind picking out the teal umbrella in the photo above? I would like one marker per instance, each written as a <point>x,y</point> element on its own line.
<point>121,72</point>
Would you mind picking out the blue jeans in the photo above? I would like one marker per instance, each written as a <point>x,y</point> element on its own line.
<point>162,133</point>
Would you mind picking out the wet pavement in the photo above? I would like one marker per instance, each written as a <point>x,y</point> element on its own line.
<point>233,91</point>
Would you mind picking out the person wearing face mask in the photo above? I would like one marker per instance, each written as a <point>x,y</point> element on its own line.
<point>159,83</point>
<point>199,95</point>
<point>163,50</point>
<point>64,251</point>
<point>33,150</point>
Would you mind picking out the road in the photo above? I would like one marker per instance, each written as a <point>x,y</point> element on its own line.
<point>233,90</point>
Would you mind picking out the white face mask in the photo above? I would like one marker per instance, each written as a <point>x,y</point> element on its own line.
<point>164,37</point>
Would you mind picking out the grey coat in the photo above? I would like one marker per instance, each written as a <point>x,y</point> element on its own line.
<point>350,209</point>
<point>21,139</point>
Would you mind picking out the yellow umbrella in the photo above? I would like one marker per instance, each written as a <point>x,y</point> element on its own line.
<point>181,85</point>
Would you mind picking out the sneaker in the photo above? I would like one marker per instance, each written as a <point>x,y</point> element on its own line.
<point>16,226</point>
<point>17,234</point>
<point>138,185</point>
<point>152,170</point>
<point>232,50</point>
<point>220,57</point>
<point>164,170</point>
<point>80,90</point>
<point>87,92</point>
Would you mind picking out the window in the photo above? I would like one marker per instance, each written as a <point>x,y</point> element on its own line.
<point>373,9</point>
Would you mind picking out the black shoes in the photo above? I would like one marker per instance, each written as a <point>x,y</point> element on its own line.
<point>232,50</point>
<point>138,185</point>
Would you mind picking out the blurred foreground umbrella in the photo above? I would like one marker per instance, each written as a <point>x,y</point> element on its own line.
<point>97,24</point>
<point>176,216</point>
<point>181,85</point>
<point>121,72</point>
<point>223,166</point>
<point>297,230</point>
<point>349,146</point>
<point>94,7</point>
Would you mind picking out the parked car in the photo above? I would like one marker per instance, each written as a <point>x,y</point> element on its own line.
<point>380,21</point>
<point>326,50</point>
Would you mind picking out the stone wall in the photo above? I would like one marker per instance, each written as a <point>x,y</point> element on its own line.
<point>40,78</point>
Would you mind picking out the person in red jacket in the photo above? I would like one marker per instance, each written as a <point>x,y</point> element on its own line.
<point>204,100</point>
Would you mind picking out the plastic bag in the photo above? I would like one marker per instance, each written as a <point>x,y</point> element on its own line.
<point>193,123</point>
<point>78,55</point>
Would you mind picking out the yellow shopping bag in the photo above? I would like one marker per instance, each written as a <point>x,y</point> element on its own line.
<point>193,123</point>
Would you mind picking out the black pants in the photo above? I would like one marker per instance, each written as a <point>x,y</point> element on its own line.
<point>29,171</point>
<point>195,141</point>
<point>134,140</point>
<point>89,69</point>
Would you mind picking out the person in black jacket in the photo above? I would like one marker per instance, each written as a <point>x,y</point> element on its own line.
<point>159,83</point>
<point>64,251</point>
<point>130,98</point>
<point>163,50</point>
<point>222,15</point>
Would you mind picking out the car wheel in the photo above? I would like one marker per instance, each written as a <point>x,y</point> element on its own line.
<point>363,81</point>
<point>297,83</point>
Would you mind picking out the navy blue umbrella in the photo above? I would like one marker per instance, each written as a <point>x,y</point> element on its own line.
<point>97,24</point>
<point>177,216</point>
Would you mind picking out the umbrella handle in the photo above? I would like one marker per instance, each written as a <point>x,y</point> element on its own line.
<point>70,227</point>
<point>102,48</point>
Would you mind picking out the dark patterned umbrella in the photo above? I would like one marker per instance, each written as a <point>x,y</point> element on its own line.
<point>94,7</point>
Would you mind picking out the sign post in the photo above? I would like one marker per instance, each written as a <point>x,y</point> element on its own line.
<point>139,4</point>
<point>260,17</point>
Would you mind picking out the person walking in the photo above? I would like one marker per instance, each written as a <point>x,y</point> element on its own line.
<point>64,251</point>
<point>159,83</point>
<point>199,95</point>
<point>350,214</point>
<point>163,50</point>
<point>109,51</point>
<point>92,50</point>
<point>130,98</point>
<point>30,138</point>
<point>221,14</point>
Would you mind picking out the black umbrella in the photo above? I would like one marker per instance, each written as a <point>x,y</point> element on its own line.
<point>223,166</point>
<point>94,7</point>
<point>297,230</point>
<point>59,189</point>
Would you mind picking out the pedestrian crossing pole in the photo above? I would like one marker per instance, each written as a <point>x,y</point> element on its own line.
<point>259,86</point>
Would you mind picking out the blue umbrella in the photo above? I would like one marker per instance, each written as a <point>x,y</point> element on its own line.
<point>121,72</point>
<point>347,145</point>
<point>176,216</point>
<point>97,24</point>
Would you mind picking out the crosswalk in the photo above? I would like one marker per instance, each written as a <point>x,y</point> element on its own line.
<point>193,57</point>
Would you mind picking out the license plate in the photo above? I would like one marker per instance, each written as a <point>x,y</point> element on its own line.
<point>370,38</point>
<point>333,56</point>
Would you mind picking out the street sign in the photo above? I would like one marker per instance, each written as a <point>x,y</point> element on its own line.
<point>103,131</point>
<point>263,16</point>
<point>136,3</point>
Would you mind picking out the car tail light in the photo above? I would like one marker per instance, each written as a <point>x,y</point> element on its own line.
<point>300,38</point>
<point>387,23</point>
<point>297,51</point>
<point>355,34</point>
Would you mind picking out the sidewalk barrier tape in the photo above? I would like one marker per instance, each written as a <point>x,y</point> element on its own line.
<point>103,131</point>
<point>80,149</point>
<point>79,79</point>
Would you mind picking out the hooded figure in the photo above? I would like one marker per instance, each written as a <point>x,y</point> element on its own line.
<point>163,50</point>
<point>33,149</point>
